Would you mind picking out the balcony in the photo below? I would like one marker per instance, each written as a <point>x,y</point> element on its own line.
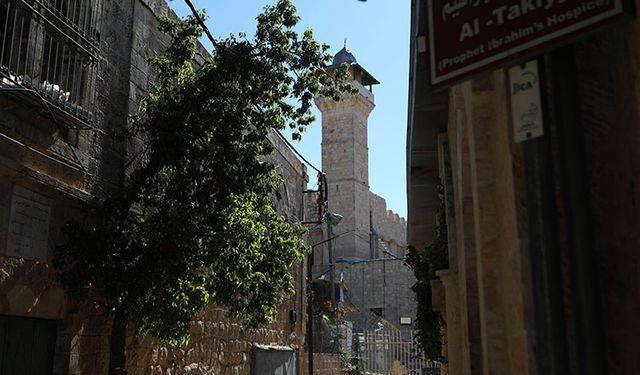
<point>49,56</point>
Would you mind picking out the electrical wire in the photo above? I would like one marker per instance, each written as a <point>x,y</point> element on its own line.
<point>61,162</point>
<point>53,186</point>
<point>61,128</point>
<point>297,152</point>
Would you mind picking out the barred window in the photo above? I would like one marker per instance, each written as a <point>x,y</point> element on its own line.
<point>50,49</point>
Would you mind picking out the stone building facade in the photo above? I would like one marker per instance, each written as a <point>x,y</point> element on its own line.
<point>371,244</point>
<point>543,260</point>
<point>57,157</point>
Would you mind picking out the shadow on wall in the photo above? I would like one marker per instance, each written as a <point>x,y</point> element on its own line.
<point>82,345</point>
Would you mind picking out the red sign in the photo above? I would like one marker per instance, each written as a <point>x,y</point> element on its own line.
<point>467,36</point>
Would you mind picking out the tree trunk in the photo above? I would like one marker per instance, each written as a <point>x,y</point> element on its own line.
<point>117,356</point>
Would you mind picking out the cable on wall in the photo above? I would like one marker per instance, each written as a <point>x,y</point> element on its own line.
<point>297,152</point>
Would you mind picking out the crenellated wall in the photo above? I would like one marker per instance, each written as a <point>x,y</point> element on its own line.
<point>387,226</point>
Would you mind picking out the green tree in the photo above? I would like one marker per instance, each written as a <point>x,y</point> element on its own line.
<point>425,262</point>
<point>195,223</point>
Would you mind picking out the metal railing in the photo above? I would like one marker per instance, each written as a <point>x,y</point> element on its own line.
<point>389,352</point>
<point>50,48</point>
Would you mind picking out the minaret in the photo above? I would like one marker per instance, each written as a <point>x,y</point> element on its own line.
<point>345,159</point>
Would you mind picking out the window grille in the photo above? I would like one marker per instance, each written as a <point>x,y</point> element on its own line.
<point>51,48</point>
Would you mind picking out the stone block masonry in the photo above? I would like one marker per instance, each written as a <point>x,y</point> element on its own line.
<point>345,161</point>
<point>218,346</point>
<point>326,364</point>
<point>382,284</point>
<point>388,227</point>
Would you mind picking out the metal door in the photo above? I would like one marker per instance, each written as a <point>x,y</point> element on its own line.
<point>26,346</point>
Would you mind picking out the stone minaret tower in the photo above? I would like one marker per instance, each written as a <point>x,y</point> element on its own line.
<point>345,160</point>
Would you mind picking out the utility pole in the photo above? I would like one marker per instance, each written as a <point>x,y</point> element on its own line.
<point>310,309</point>
<point>332,279</point>
<point>331,219</point>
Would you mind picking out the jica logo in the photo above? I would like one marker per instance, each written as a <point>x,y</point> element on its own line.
<point>529,79</point>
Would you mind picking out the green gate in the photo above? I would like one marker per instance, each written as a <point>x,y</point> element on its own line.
<point>26,346</point>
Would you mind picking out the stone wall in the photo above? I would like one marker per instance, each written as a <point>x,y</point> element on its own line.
<point>388,226</point>
<point>289,198</point>
<point>378,284</point>
<point>326,364</point>
<point>486,304</point>
<point>28,287</point>
<point>48,174</point>
<point>218,346</point>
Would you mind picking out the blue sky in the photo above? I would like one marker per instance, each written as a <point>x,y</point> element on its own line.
<point>377,33</point>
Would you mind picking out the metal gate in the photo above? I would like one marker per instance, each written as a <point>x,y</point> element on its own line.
<point>392,352</point>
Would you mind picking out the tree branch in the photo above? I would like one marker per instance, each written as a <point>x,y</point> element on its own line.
<point>195,13</point>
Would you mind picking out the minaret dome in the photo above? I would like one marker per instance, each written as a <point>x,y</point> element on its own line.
<point>358,73</point>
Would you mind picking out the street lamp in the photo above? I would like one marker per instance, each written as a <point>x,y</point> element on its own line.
<point>332,219</point>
